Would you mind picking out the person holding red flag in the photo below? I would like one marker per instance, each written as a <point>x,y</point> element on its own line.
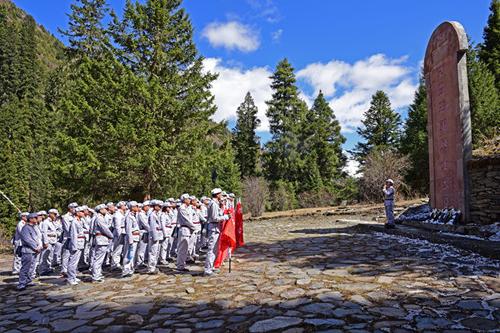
<point>232,235</point>
<point>215,217</point>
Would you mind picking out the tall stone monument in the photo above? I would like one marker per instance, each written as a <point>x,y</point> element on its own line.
<point>448,122</point>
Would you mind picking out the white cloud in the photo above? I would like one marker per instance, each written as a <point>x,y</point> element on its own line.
<point>266,9</point>
<point>352,168</point>
<point>276,35</point>
<point>232,85</point>
<point>349,87</point>
<point>324,76</point>
<point>347,90</point>
<point>232,35</point>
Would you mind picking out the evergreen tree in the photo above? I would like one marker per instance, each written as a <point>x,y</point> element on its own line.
<point>414,142</point>
<point>490,49</point>
<point>24,127</point>
<point>323,138</point>
<point>310,179</point>
<point>245,141</point>
<point>96,131</point>
<point>286,113</point>
<point>380,128</point>
<point>92,97</point>
<point>86,33</point>
<point>484,99</point>
<point>176,142</point>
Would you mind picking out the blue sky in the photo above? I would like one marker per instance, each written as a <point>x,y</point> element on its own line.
<point>348,49</point>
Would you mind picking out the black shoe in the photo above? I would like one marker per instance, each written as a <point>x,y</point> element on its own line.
<point>182,270</point>
<point>390,226</point>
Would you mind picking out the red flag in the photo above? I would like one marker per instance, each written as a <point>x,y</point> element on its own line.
<point>227,239</point>
<point>238,219</point>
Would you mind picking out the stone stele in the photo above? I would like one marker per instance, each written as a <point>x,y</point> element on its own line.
<point>448,122</point>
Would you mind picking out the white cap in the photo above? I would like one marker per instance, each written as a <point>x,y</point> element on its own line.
<point>79,209</point>
<point>25,214</point>
<point>231,195</point>
<point>99,207</point>
<point>132,204</point>
<point>110,204</point>
<point>146,203</point>
<point>53,211</point>
<point>184,197</point>
<point>121,204</point>
<point>73,205</point>
<point>42,212</point>
<point>216,191</point>
<point>390,181</point>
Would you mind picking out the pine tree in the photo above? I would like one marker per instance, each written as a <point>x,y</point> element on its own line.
<point>245,141</point>
<point>91,96</point>
<point>490,49</point>
<point>323,138</point>
<point>484,99</point>
<point>286,113</point>
<point>414,142</point>
<point>97,127</point>
<point>380,128</point>
<point>24,120</point>
<point>87,34</point>
<point>175,144</point>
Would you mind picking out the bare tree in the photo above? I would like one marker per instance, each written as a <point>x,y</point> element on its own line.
<point>381,165</point>
<point>255,194</point>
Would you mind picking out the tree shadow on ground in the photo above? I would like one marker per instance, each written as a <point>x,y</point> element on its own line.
<point>343,279</point>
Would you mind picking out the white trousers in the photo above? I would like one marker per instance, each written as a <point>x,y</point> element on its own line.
<point>47,258</point>
<point>184,236</point>
<point>116,254</point>
<point>98,255</point>
<point>74,259</point>
<point>129,258</point>
<point>213,244</point>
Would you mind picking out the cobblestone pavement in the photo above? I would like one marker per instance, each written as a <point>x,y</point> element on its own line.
<point>296,275</point>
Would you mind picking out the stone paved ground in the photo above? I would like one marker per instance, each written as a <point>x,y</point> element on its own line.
<point>295,275</point>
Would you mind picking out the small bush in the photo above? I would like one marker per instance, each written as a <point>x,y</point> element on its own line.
<point>5,241</point>
<point>319,198</point>
<point>255,194</point>
<point>283,196</point>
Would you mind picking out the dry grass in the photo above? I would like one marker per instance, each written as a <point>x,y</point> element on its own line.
<point>5,242</point>
<point>354,209</point>
<point>488,147</point>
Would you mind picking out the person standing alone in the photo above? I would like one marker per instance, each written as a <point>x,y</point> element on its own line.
<point>389,193</point>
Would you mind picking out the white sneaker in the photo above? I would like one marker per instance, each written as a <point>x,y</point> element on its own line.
<point>73,283</point>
